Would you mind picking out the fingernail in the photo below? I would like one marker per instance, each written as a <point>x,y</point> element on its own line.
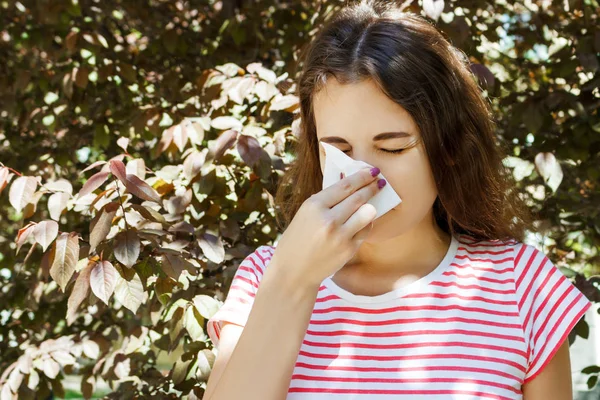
<point>341,175</point>
<point>381,183</point>
<point>375,171</point>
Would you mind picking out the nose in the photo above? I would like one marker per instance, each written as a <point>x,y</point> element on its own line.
<point>366,158</point>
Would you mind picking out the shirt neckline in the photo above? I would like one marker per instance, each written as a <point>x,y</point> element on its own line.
<point>401,291</point>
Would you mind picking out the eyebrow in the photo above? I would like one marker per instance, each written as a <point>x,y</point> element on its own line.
<point>376,138</point>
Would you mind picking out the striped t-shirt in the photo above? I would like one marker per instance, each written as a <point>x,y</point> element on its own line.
<point>488,319</point>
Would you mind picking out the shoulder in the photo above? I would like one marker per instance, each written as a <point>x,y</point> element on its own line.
<point>256,261</point>
<point>490,249</point>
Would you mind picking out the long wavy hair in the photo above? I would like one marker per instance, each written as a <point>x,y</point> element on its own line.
<point>415,66</point>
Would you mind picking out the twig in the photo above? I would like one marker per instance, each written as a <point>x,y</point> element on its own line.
<point>121,201</point>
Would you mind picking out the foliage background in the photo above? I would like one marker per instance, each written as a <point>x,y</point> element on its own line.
<point>141,144</point>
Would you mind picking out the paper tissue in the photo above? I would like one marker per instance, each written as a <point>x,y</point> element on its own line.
<point>337,161</point>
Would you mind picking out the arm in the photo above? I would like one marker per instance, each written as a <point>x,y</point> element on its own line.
<point>554,381</point>
<point>262,361</point>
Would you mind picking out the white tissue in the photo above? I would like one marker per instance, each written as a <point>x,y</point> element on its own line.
<point>337,161</point>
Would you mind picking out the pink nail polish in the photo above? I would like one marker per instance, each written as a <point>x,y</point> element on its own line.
<point>375,171</point>
<point>381,183</point>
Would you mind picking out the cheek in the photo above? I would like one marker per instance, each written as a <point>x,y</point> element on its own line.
<point>411,177</point>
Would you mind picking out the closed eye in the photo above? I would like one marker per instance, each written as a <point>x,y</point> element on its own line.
<point>384,151</point>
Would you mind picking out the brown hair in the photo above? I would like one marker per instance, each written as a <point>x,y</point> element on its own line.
<point>415,66</point>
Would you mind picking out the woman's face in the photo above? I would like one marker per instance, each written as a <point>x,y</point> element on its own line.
<point>350,117</point>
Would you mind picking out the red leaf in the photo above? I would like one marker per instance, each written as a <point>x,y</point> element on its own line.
<point>141,189</point>
<point>225,141</point>
<point>127,248</point>
<point>132,183</point>
<point>3,178</point>
<point>118,169</point>
<point>93,183</point>
<point>100,225</point>
<point>249,149</point>
<point>80,291</point>
<point>23,234</point>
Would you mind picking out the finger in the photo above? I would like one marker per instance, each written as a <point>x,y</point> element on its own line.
<point>363,233</point>
<point>340,190</point>
<point>344,210</point>
<point>358,220</point>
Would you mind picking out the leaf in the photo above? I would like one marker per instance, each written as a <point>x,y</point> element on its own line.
<point>132,183</point>
<point>225,141</point>
<point>45,232</point>
<point>93,183</point>
<point>226,122</point>
<point>4,178</point>
<point>23,234</point>
<point>127,247</point>
<point>65,258</point>
<point>141,189</point>
<point>123,368</point>
<point>521,168</point>
<point>178,203</point>
<point>174,265</point>
<point>123,142</point>
<point>193,164</point>
<point>63,357</point>
<point>21,191</point>
<point>192,321</point>
<point>6,393</point>
<point>100,225</point>
<point>549,169</point>
<point>433,8</point>
<point>149,213</point>
<point>57,202</point>
<point>30,207</point>
<point>206,361</point>
<point>34,380</point>
<point>136,167</point>
<point>103,279</point>
<point>91,349</point>
<point>81,77</point>
<point>592,369</point>
<point>212,247</point>
<point>130,293</point>
<point>180,371</point>
<point>180,137</point>
<point>15,379</point>
<point>61,185</point>
<point>194,131</point>
<point>51,368</point>
<point>92,166</point>
<point>88,383</point>
<point>485,76</point>
<point>119,170</point>
<point>288,102</point>
<point>79,293</point>
<point>206,305</point>
<point>165,141</point>
<point>249,149</point>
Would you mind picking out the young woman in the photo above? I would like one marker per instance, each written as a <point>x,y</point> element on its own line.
<point>437,299</point>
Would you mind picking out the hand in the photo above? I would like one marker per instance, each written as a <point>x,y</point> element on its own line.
<point>328,228</point>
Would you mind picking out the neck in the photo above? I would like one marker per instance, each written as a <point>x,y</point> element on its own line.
<point>405,252</point>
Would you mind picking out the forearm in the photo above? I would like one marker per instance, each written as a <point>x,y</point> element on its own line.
<point>263,361</point>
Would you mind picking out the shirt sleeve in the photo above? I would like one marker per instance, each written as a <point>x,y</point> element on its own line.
<point>240,297</point>
<point>549,304</point>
